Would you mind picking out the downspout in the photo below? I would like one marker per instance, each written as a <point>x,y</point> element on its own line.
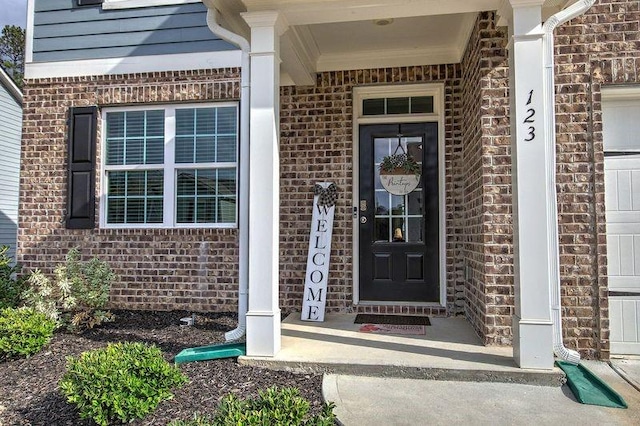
<point>549,26</point>
<point>243,213</point>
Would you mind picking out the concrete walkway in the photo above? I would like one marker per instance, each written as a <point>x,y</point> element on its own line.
<point>629,369</point>
<point>443,377</point>
<point>369,401</point>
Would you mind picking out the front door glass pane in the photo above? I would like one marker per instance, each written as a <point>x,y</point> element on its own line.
<point>382,203</point>
<point>398,218</point>
<point>381,233</point>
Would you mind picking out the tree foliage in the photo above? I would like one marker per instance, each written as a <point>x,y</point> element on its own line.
<point>12,44</point>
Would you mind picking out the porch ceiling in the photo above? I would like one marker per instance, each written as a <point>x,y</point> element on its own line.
<point>328,35</point>
<point>404,41</point>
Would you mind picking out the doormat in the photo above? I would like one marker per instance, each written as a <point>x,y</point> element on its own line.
<point>589,388</point>
<point>411,330</point>
<point>391,319</point>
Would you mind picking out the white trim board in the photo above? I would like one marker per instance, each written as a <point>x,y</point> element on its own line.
<point>388,58</point>
<point>615,93</point>
<point>130,4</point>
<point>134,64</point>
<point>28,51</point>
<point>11,87</point>
<point>366,92</point>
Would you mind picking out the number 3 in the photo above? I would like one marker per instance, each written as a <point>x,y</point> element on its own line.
<point>532,134</point>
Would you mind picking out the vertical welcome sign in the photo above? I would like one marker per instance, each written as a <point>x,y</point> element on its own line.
<point>315,285</point>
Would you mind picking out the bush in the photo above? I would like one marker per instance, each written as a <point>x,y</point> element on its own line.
<point>10,287</point>
<point>273,407</point>
<point>23,332</point>
<point>78,296</point>
<point>124,381</point>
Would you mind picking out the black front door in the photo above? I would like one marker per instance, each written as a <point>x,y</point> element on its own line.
<point>398,235</point>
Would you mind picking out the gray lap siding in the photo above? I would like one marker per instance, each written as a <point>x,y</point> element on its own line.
<point>63,31</point>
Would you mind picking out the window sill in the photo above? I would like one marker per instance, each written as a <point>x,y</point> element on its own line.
<point>161,226</point>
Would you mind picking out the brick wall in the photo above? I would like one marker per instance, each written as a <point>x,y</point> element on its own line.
<point>601,48</point>
<point>598,49</point>
<point>192,269</point>
<point>317,145</point>
<point>483,170</point>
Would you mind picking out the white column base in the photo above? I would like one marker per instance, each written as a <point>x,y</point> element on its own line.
<point>263,333</point>
<point>533,343</point>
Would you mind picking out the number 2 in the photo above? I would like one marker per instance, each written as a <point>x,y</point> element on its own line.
<point>531,113</point>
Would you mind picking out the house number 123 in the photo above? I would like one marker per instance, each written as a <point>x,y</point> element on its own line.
<point>531,135</point>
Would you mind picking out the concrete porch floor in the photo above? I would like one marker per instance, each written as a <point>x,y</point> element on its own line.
<point>450,350</point>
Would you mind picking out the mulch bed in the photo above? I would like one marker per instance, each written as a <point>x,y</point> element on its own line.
<point>29,392</point>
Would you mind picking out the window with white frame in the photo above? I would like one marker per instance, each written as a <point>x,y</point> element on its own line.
<point>172,166</point>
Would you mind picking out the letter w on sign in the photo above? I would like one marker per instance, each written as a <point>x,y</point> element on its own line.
<point>315,285</point>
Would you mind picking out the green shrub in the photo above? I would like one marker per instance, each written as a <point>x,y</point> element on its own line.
<point>273,407</point>
<point>124,381</point>
<point>23,332</point>
<point>77,297</point>
<point>11,287</point>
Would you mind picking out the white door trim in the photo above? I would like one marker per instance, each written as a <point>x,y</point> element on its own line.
<point>400,90</point>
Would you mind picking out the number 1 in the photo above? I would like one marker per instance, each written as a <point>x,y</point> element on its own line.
<point>530,96</point>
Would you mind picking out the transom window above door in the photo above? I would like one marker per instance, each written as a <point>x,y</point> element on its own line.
<point>398,105</point>
<point>171,166</point>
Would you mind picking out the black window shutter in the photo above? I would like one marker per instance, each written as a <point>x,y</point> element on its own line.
<point>81,193</point>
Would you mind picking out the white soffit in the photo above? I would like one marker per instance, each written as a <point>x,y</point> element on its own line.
<point>420,40</point>
<point>308,12</point>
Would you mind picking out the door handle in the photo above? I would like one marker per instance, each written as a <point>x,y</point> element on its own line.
<point>363,219</point>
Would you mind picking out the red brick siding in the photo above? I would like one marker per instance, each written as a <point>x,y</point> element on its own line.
<point>193,269</point>
<point>484,172</point>
<point>601,48</point>
<point>317,145</point>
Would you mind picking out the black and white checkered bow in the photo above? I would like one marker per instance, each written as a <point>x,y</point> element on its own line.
<point>327,197</point>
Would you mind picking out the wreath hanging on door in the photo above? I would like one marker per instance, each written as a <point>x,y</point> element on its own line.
<point>400,172</point>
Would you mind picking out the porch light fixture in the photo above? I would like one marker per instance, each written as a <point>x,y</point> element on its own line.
<point>383,22</point>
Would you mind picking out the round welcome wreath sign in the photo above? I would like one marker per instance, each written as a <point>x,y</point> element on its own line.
<point>400,173</point>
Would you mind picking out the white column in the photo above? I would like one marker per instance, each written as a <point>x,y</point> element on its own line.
<point>533,257</point>
<point>263,317</point>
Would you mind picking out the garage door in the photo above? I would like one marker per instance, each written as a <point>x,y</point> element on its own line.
<point>621,129</point>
